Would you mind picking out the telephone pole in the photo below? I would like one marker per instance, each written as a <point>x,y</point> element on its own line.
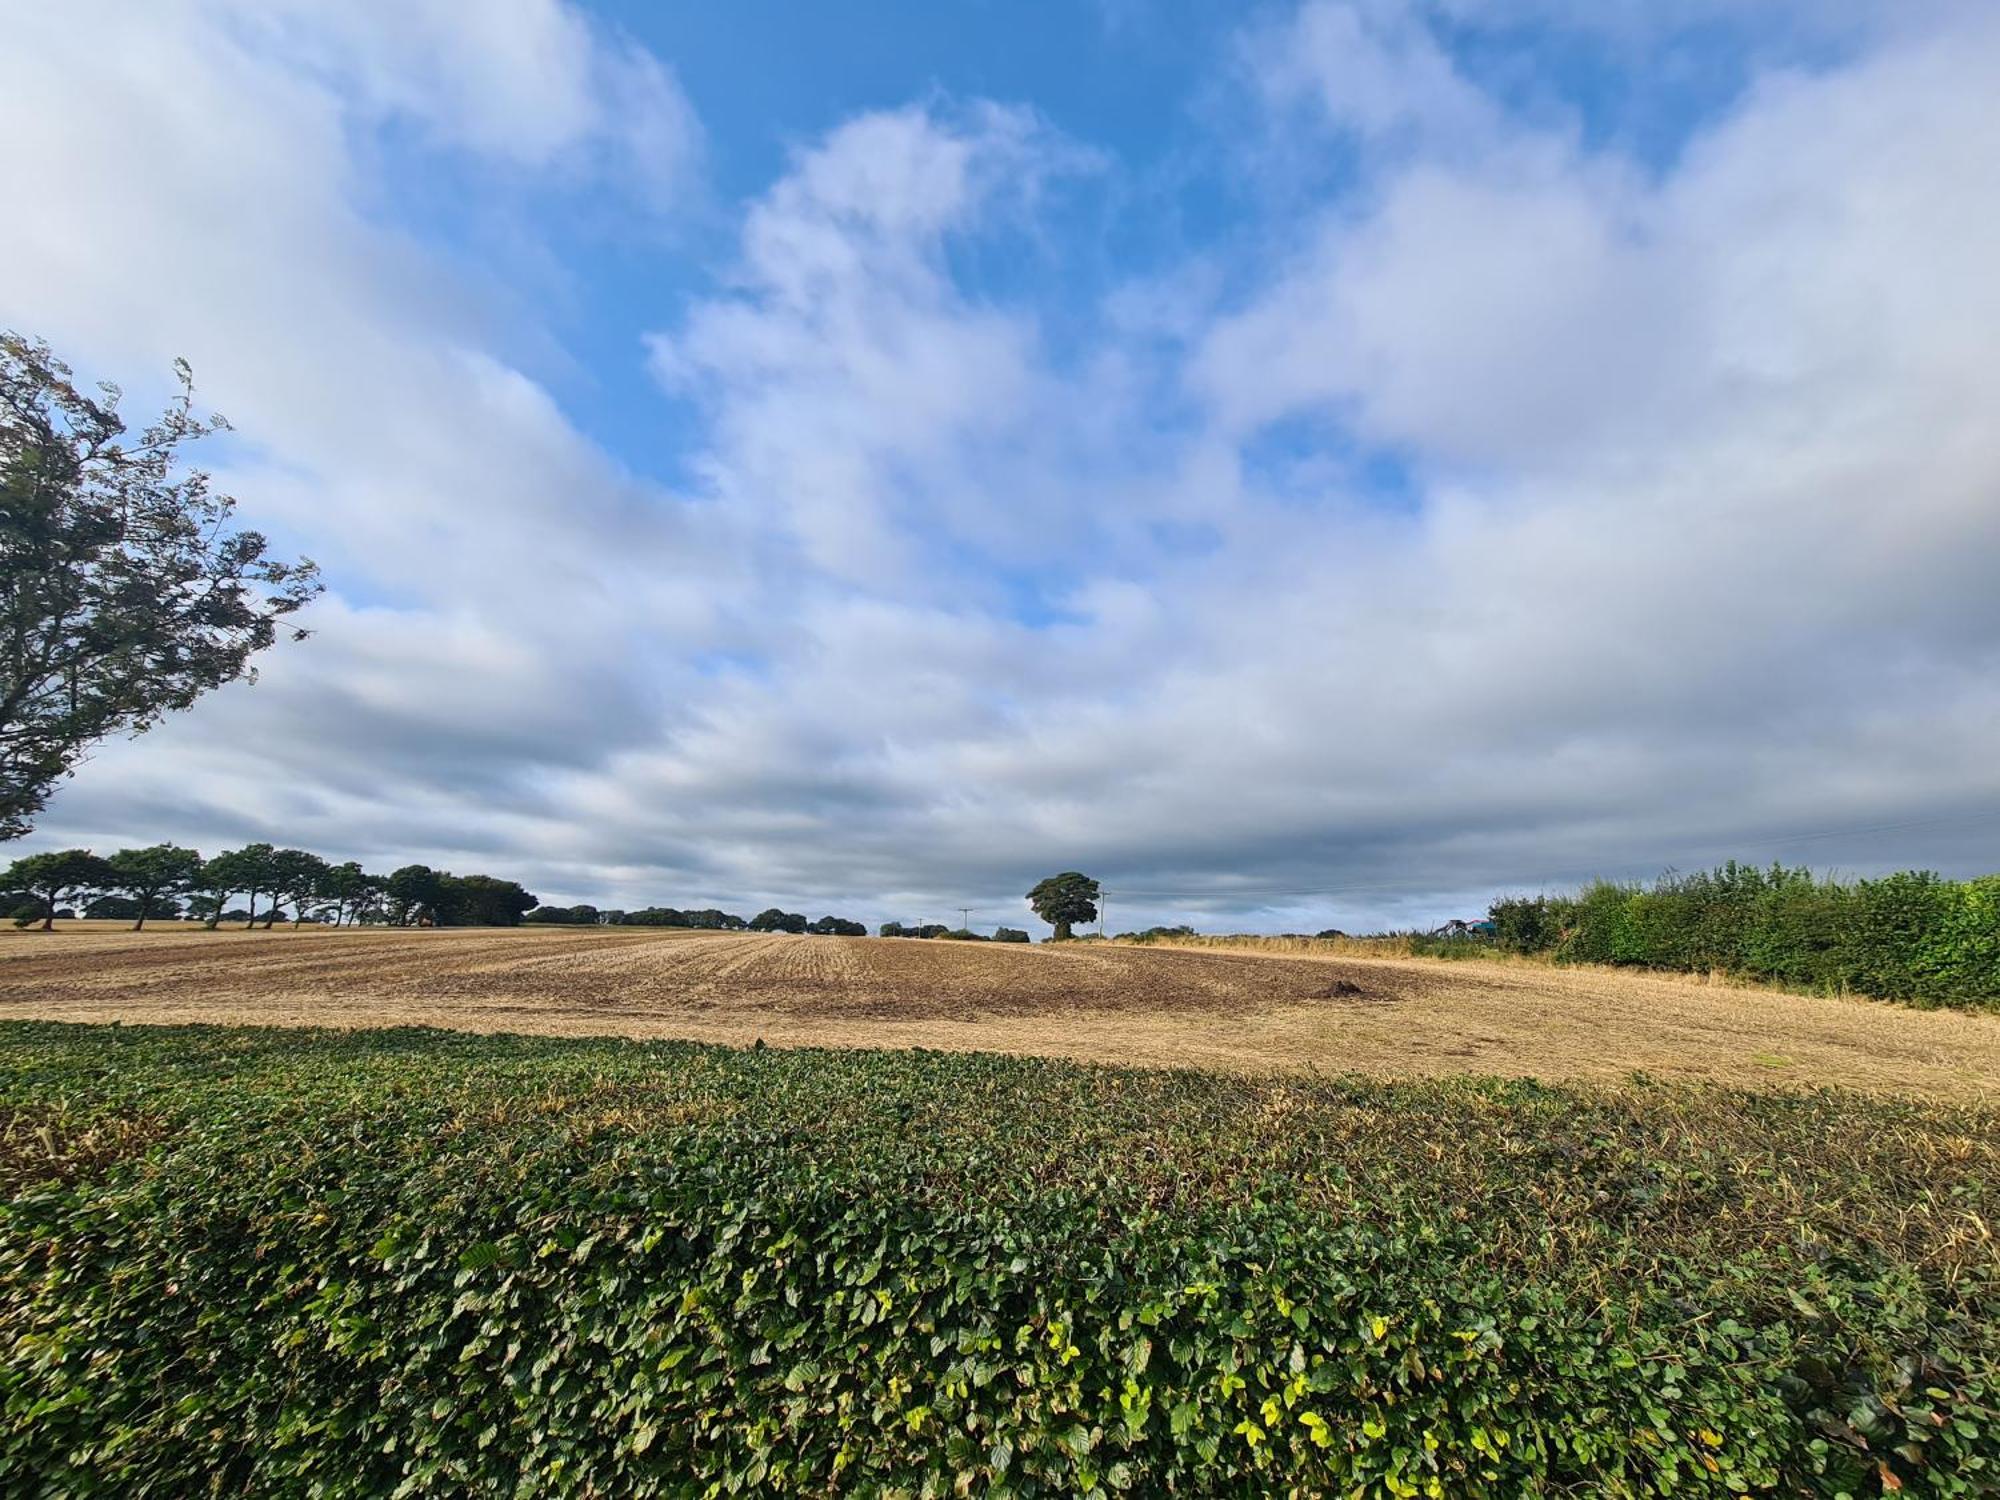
<point>965,919</point>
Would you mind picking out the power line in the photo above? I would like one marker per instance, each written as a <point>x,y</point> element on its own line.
<point>1836,833</point>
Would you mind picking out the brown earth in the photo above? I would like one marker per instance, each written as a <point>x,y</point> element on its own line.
<point>1110,1003</point>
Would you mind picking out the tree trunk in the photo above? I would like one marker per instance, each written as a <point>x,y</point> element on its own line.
<point>247,926</point>
<point>49,913</point>
<point>1062,930</point>
<point>136,926</point>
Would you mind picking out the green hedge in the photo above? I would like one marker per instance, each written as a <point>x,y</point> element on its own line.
<point>1912,936</point>
<point>413,1263</point>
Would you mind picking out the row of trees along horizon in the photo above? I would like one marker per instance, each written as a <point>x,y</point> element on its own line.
<point>169,882</point>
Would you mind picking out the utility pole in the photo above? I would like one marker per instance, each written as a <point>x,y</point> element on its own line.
<point>965,919</point>
<point>1103,905</point>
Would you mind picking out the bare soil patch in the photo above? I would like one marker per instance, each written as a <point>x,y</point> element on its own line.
<point>1155,1006</point>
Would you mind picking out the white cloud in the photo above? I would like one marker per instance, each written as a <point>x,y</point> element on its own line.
<point>1373,68</point>
<point>533,82</point>
<point>856,395</point>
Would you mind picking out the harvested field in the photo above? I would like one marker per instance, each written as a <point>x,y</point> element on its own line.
<point>1149,1006</point>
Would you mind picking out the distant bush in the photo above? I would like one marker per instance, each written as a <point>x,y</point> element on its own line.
<point>838,927</point>
<point>927,930</point>
<point>1523,924</point>
<point>401,1262</point>
<point>771,919</point>
<point>564,916</point>
<point>1009,935</point>
<point>120,908</point>
<point>1439,945</point>
<point>666,916</point>
<point>1912,936</point>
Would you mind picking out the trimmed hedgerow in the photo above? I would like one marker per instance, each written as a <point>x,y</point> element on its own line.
<point>1913,936</point>
<point>418,1263</point>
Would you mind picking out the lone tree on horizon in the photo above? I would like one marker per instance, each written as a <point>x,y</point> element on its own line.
<point>1064,899</point>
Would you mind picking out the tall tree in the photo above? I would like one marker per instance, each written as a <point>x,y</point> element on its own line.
<point>157,873</point>
<point>124,595</point>
<point>369,903</point>
<point>52,877</point>
<point>415,893</point>
<point>247,869</point>
<point>1065,899</point>
<point>483,901</point>
<point>214,885</point>
<point>295,879</point>
<point>347,888</point>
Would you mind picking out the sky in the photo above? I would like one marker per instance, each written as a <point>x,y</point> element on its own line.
<point>1307,466</point>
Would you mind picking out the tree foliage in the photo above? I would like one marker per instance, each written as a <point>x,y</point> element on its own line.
<point>1909,936</point>
<point>416,893</point>
<point>707,919</point>
<point>298,876</point>
<point>350,892</point>
<point>153,876</point>
<point>565,916</point>
<point>59,876</point>
<point>830,926</point>
<point>124,594</point>
<point>1065,899</point>
<point>483,901</point>
<point>237,872</point>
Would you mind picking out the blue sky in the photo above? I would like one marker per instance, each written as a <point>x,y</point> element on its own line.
<point>1309,465</point>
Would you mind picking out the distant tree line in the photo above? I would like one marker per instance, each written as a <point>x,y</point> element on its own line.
<point>1156,934</point>
<point>938,930</point>
<point>259,885</point>
<point>169,882</point>
<point>771,920</point>
<point>707,919</point>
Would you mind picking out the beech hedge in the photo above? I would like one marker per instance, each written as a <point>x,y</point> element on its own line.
<point>239,1261</point>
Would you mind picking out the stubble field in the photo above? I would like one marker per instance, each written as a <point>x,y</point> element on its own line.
<point>1142,1006</point>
